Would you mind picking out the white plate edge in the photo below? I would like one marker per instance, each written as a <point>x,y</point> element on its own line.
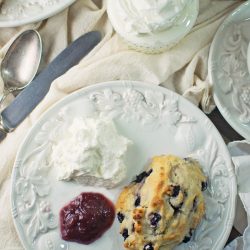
<point>17,23</point>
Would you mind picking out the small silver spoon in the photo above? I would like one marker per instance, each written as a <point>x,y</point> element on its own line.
<point>21,62</point>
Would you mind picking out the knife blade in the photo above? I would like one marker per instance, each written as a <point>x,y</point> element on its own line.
<point>28,99</point>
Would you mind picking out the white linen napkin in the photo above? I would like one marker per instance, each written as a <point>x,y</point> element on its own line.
<point>240,152</point>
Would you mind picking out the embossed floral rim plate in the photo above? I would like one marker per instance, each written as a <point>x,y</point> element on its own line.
<point>19,12</point>
<point>158,121</point>
<point>228,69</point>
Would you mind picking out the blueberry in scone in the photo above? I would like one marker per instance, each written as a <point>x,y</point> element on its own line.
<point>163,205</point>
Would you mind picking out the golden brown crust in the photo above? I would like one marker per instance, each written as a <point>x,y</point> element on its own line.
<point>163,205</point>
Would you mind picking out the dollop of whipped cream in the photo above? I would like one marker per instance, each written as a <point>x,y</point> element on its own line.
<point>91,152</point>
<point>151,16</point>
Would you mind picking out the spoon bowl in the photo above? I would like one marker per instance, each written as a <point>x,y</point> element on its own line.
<point>21,62</point>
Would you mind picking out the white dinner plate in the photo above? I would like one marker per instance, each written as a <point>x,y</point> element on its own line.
<point>19,12</point>
<point>158,121</point>
<point>228,71</point>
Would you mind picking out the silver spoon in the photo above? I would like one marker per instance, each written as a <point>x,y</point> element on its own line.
<point>21,62</point>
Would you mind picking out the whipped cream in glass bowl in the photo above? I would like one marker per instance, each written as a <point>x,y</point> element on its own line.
<point>147,16</point>
<point>150,25</point>
<point>91,152</point>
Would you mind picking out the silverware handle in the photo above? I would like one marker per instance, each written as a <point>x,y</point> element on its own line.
<point>3,134</point>
<point>3,129</point>
<point>5,94</point>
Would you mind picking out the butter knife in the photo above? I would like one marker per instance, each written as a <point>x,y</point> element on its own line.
<point>28,99</point>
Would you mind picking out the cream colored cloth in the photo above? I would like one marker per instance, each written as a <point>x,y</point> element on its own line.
<point>182,69</point>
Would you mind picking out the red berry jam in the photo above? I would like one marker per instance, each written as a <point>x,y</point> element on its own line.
<point>86,218</point>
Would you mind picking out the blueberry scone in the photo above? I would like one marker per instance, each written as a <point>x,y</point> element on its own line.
<point>164,204</point>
